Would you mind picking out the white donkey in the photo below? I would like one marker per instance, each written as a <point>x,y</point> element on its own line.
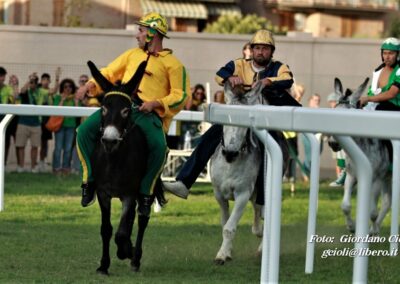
<point>378,155</point>
<point>234,170</point>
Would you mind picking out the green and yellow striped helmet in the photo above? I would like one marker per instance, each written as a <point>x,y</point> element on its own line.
<point>155,23</point>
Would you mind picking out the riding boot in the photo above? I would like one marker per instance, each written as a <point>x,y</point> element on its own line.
<point>144,207</point>
<point>88,194</point>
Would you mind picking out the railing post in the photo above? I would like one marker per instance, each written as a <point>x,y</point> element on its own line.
<point>364,179</point>
<point>3,127</point>
<point>272,223</point>
<point>394,230</point>
<point>313,200</point>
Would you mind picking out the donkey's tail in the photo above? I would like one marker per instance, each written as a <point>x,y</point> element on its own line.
<point>159,193</point>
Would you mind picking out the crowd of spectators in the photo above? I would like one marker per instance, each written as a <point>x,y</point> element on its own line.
<point>29,133</point>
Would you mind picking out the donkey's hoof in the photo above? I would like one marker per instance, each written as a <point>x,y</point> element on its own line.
<point>257,230</point>
<point>135,268</point>
<point>102,271</point>
<point>121,254</point>
<point>219,261</point>
<point>124,251</point>
<point>352,230</point>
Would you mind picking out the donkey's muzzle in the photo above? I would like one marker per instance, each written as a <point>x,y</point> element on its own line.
<point>230,155</point>
<point>110,145</point>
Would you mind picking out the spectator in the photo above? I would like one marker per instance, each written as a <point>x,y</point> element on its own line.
<point>340,156</point>
<point>28,126</point>
<point>83,79</point>
<point>247,51</point>
<point>219,97</point>
<point>313,102</point>
<point>297,91</point>
<point>85,101</point>
<point>64,138</point>
<point>198,98</point>
<point>8,94</point>
<point>46,98</point>
<point>196,103</point>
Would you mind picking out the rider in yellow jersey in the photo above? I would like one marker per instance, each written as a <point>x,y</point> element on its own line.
<point>162,93</point>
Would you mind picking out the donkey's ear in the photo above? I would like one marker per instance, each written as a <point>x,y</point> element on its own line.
<point>360,90</point>
<point>134,82</point>
<point>100,79</point>
<point>229,95</point>
<point>338,87</point>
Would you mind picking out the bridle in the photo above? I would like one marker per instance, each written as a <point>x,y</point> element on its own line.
<point>129,126</point>
<point>245,143</point>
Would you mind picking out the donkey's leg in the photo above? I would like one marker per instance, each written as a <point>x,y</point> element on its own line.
<point>137,252</point>
<point>106,231</point>
<point>385,205</point>
<point>346,202</point>
<point>223,206</point>
<point>257,227</point>
<point>229,230</point>
<point>123,235</point>
<point>373,214</point>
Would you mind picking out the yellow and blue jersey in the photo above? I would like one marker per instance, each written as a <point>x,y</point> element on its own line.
<point>278,73</point>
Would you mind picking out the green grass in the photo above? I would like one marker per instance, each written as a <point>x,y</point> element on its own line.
<point>47,237</point>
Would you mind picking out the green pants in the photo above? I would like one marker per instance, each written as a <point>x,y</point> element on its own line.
<point>151,125</point>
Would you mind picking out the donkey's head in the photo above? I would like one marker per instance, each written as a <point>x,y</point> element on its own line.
<point>116,106</point>
<point>347,100</point>
<point>238,139</point>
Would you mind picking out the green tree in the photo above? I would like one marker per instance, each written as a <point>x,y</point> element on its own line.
<point>394,29</point>
<point>235,24</point>
<point>74,10</point>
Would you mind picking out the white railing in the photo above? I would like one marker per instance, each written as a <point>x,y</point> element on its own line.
<point>340,124</point>
<point>12,110</point>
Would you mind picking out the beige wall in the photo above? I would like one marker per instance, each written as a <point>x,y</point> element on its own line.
<point>315,62</point>
<point>41,13</point>
<point>370,28</point>
<point>323,25</point>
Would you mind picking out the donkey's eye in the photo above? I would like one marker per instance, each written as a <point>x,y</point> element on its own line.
<point>104,110</point>
<point>125,112</point>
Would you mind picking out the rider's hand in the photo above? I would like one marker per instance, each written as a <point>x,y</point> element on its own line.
<point>266,82</point>
<point>235,80</point>
<point>149,106</point>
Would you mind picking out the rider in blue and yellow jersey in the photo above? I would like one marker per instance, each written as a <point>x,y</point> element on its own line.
<point>276,78</point>
<point>162,93</point>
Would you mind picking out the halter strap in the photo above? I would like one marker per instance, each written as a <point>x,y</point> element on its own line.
<point>119,94</point>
